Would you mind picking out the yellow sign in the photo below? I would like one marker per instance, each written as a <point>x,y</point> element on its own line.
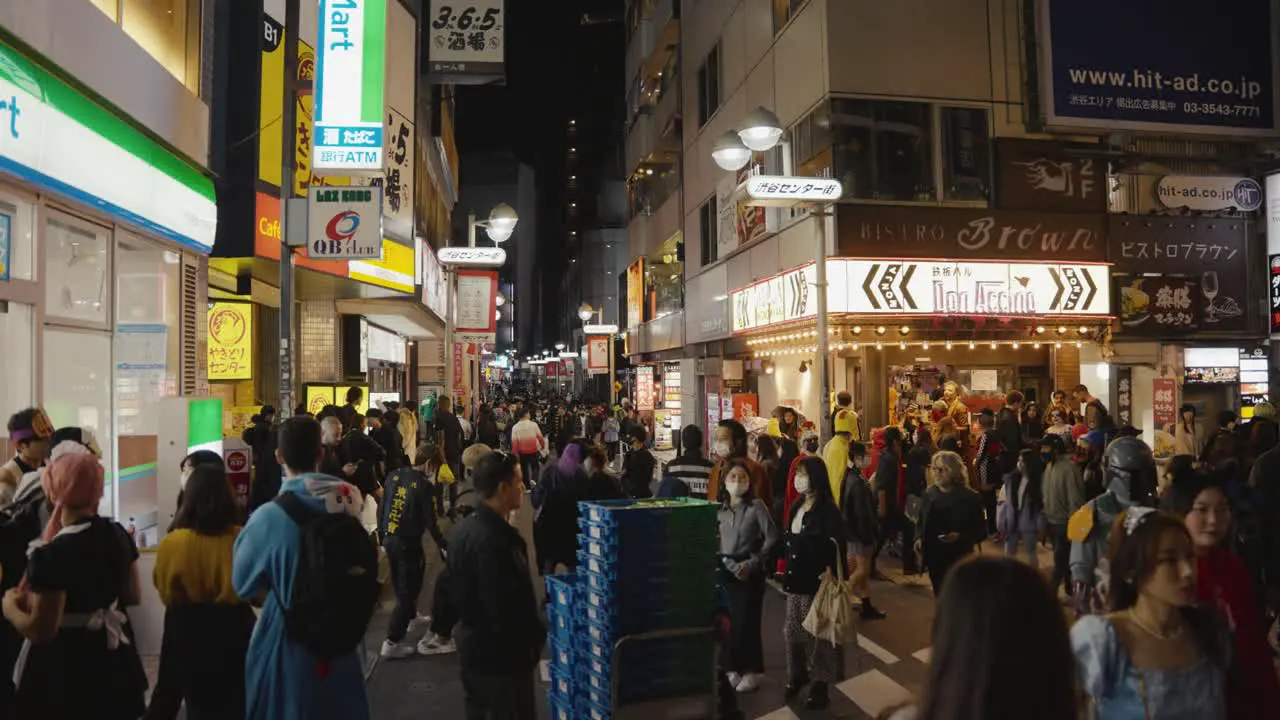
<point>272,102</point>
<point>318,396</point>
<point>230,341</point>
<point>393,271</point>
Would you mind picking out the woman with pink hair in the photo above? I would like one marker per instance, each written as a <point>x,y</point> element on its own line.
<point>70,605</point>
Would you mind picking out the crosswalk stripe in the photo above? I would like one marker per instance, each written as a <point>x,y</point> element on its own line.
<point>874,692</point>
<point>924,655</point>
<point>782,713</point>
<point>880,653</point>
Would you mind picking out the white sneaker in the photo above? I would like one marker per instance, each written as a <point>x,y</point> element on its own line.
<point>431,644</point>
<point>750,683</point>
<point>734,678</point>
<point>395,651</point>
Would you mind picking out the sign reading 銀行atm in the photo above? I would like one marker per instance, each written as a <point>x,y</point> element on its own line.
<point>350,76</point>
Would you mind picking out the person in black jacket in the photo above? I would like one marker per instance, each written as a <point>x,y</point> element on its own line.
<point>385,430</point>
<point>889,507</point>
<point>862,526</point>
<point>814,538</point>
<point>267,475</point>
<point>638,465</point>
<point>499,635</point>
<point>409,510</point>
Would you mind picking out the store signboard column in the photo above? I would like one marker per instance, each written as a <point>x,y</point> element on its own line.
<point>349,87</point>
<point>644,387</point>
<point>459,375</point>
<point>1164,404</point>
<point>598,355</point>
<point>477,305</point>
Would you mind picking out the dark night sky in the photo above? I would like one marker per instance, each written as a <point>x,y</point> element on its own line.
<point>557,68</point>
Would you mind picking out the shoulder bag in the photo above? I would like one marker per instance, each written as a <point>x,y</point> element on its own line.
<point>831,616</point>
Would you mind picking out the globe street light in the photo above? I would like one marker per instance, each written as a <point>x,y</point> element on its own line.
<point>585,312</point>
<point>559,346</point>
<point>499,227</point>
<point>730,153</point>
<point>760,130</point>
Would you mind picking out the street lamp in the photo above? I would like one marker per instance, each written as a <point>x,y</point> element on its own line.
<point>585,312</point>
<point>762,131</point>
<point>499,226</point>
<point>559,346</point>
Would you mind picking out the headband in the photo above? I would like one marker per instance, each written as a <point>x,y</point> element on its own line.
<point>1134,517</point>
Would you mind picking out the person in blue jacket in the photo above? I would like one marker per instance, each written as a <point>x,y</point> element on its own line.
<point>282,680</point>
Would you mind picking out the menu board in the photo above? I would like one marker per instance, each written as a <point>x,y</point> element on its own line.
<point>666,422</point>
<point>644,388</point>
<point>1255,379</point>
<point>713,415</point>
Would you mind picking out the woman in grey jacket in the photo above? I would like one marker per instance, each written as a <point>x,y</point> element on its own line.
<point>748,538</point>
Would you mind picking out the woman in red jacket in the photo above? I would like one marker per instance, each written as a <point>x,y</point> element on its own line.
<point>1222,582</point>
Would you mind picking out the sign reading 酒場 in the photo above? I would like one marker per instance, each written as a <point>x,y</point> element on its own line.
<point>465,39</point>
<point>350,77</point>
<point>344,223</point>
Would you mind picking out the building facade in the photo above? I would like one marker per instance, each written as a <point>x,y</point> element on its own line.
<point>1007,217</point>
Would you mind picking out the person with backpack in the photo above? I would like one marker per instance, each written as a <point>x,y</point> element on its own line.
<point>308,556</point>
<point>411,509</point>
<point>499,635</point>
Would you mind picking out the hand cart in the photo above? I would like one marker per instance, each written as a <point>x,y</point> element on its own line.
<point>703,706</point>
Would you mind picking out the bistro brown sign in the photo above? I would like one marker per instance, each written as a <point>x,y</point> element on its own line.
<point>1038,175</point>
<point>1210,252</point>
<point>970,234</point>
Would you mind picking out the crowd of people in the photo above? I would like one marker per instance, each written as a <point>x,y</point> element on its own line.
<point>1172,583</point>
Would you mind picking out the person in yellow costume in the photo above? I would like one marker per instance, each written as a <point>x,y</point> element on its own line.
<point>836,454</point>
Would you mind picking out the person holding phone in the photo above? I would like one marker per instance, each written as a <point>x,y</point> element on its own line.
<point>952,523</point>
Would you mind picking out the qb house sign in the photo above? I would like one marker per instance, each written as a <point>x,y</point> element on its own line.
<point>928,287</point>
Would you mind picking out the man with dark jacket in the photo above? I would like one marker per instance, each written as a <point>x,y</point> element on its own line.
<point>385,430</point>
<point>267,475</point>
<point>888,479</point>
<point>638,465</point>
<point>450,431</point>
<point>499,635</point>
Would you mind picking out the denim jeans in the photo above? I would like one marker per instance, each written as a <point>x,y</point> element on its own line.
<point>1012,540</point>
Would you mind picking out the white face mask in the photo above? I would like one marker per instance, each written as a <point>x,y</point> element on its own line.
<point>736,489</point>
<point>802,483</point>
<point>721,449</point>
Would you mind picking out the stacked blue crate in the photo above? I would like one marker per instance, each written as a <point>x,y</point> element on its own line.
<point>645,566</point>
<point>563,624</point>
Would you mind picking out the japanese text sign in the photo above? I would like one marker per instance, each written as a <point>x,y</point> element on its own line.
<point>230,345</point>
<point>644,387</point>
<point>350,77</point>
<point>465,38</point>
<point>1164,403</point>
<point>1124,395</point>
<point>1159,305</point>
<point>397,178</point>
<point>475,319</point>
<point>787,191</point>
<point>598,355</point>
<point>344,223</point>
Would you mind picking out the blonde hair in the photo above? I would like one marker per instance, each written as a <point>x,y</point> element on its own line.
<point>956,472</point>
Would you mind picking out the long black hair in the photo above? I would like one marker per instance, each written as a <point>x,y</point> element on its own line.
<point>819,484</point>
<point>1034,465</point>
<point>208,506</point>
<point>738,435</point>
<point>1001,650</point>
<point>723,494</point>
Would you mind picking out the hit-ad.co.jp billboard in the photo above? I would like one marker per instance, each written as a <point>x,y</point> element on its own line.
<point>1172,66</point>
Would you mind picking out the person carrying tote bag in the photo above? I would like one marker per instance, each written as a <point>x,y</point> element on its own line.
<point>831,617</point>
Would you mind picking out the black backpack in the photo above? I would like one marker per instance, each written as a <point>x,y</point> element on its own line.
<point>336,589</point>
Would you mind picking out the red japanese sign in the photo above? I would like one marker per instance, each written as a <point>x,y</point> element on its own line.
<point>458,373</point>
<point>644,388</point>
<point>1164,403</point>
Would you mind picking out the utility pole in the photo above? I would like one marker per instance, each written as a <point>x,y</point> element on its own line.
<point>287,145</point>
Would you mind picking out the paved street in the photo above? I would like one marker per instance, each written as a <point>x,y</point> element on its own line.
<point>891,667</point>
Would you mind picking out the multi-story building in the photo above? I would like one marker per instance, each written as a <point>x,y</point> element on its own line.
<point>107,218</point>
<point>1011,195</point>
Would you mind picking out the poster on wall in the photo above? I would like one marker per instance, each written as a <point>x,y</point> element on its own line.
<point>465,40</point>
<point>1164,403</point>
<point>713,415</point>
<point>635,294</point>
<point>1124,396</point>
<point>745,405</point>
<point>230,344</point>
<point>598,355</point>
<point>644,388</point>
<point>475,316</point>
<point>318,396</point>
<point>1112,64</point>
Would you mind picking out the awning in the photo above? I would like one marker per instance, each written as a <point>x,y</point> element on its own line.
<point>405,317</point>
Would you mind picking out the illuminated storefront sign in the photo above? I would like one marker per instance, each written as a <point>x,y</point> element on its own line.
<point>350,77</point>
<point>230,341</point>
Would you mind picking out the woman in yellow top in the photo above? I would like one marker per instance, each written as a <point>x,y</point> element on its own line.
<point>206,626</point>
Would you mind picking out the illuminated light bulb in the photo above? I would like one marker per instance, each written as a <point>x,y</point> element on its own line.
<point>1079,344</point>
<point>1036,346</point>
<point>855,346</point>
<point>1016,345</point>
<point>1057,345</point>
<point>1039,329</point>
<point>904,330</point>
<point>857,329</point>
<point>993,345</point>
<point>924,346</point>
<point>902,345</point>
<point>881,330</point>
<point>949,346</point>
<point>1082,330</point>
<point>1062,329</point>
<point>879,346</point>
<point>972,345</point>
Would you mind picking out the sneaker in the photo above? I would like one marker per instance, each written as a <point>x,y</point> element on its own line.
<point>433,644</point>
<point>734,679</point>
<point>395,651</point>
<point>750,683</point>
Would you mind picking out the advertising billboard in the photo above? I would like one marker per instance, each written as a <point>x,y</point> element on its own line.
<point>230,344</point>
<point>465,40</point>
<point>349,102</point>
<point>1176,66</point>
<point>345,224</point>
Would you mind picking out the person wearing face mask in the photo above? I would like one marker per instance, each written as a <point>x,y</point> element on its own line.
<point>858,509</point>
<point>1063,492</point>
<point>638,465</point>
<point>747,541</point>
<point>1223,582</point>
<point>814,540</point>
<point>808,447</point>
<point>730,443</point>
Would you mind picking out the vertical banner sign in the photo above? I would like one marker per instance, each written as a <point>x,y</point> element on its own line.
<point>459,375</point>
<point>1125,64</point>
<point>598,355</point>
<point>344,224</point>
<point>397,179</point>
<point>1124,396</point>
<point>237,462</point>
<point>1274,279</point>
<point>465,39</point>
<point>271,101</point>
<point>349,103</point>
<point>635,294</point>
<point>644,387</point>
<point>475,319</point>
<point>1163,405</point>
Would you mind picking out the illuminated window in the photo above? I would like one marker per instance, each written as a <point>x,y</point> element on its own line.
<point>110,7</point>
<point>169,30</point>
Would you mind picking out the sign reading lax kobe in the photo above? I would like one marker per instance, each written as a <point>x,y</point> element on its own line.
<point>344,223</point>
<point>350,74</point>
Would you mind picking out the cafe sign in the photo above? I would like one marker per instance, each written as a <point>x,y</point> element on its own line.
<point>971,234</point>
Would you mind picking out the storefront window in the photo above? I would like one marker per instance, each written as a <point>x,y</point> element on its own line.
<point>17,337</point>
<point>965,153</point>
<point>77,265</point>
<point>883,150</point>
<point>17,225</point>
<point>146,364</point>
<point>77,390</point>
<point>169,30</point>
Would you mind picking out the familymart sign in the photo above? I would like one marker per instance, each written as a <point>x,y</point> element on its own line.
<point>350,76</point>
